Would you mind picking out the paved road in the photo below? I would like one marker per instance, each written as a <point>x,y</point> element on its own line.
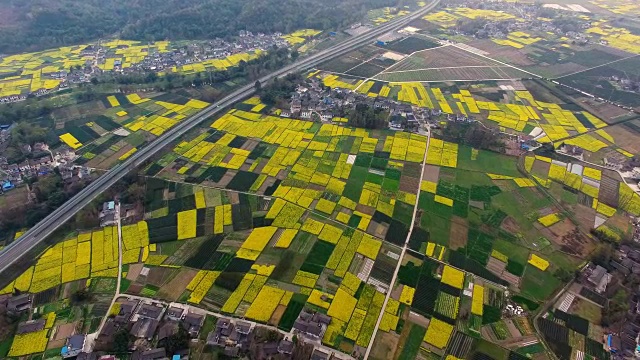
<point>404,251</point>
<point>40,231</point>
<point>91,338</point>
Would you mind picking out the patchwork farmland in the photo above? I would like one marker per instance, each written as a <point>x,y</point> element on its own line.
<point>490,217</point>
<point>261,207</point>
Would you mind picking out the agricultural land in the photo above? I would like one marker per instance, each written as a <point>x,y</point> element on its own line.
<point>463,188</point>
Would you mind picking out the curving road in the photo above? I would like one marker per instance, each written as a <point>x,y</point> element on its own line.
<point>58,217</point>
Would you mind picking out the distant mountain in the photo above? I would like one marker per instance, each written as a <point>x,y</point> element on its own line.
<point>28,25</point>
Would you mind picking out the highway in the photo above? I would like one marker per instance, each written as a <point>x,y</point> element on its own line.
<point>14,251</point>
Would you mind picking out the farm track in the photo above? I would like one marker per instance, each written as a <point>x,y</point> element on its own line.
<point>402,254</point>
<point>16,250</point>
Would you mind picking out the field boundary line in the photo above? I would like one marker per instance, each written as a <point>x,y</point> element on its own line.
<point>595,67</point>
<point>447,67</point>
<point>366,62</point>
<point>415,52</point>
<point>343,74</point>
<point>439,81</point>
<point>498,61</point>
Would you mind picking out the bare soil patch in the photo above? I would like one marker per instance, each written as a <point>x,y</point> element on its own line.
<point>510,225</point>
<point>609,188</point>
<point>275,318</point>
<point>569,238</point>
<point>625,138</point>
<point>419,319</point>
<point>384,345</point>
<point>585,216</point>
<point>65,330</point>
<point>515,56</point>
<point>621,222</point>
<point>56,344</point>
<point>458,233</point>
<point>409,184</point>
<point>441,57</point>
<point>587,310</point>
<point>513,330</point>
<point>135,289</point>
<point>495,266</point>
<point>540,168</point>
<point>174,288</point>
<point>134,271</point>
<point>158,276</point>
<point>431,173</point>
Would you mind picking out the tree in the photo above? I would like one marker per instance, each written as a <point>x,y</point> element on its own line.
<point>56,199</point>
<point>121,342</point>
<point>26,133</point>
<point>474,135</point>
<point>80,296</point>
<point>279,89</point>
<point>564,275</point>
<point>177,342</point>
<point>364,116</point>
<point>135,193</point>
<point>257,85</point>
<point>602,254</point>
<point>616,309</point>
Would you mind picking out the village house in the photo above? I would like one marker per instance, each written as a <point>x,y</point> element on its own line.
<point>30,326</point>
<point>193,322</point>
<point>19,303</point>
<point>74,346</point>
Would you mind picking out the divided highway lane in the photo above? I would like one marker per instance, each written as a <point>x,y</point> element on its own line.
<point>10,254</point>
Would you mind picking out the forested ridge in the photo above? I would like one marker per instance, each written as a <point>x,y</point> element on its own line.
<point>29,25</point>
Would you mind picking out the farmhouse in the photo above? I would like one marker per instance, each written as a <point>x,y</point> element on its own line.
<point>144,328</point>
<point>19,303</point>
<point>74,346</point>
<point>31,326</point>
<point>174,313</point>
<point>194,322</point>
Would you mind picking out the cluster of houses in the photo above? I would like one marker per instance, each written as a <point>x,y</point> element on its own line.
<point>74,347</point>
<point>527,21</point>
<point>151,323</point>
<point>233,337</point>
<point>217,48</point>
<point>313,98</point>
<point>626,83</point>
<point>41,162</point>
<point>599,284</point>
<point>156,61</point>
<point>311,324</point>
